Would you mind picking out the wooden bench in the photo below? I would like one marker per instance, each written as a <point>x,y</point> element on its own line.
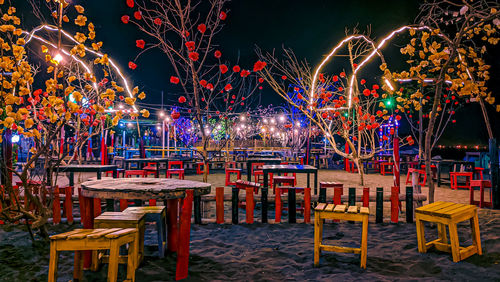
<point>80,240</point>
<point>445,213</point>
<point>119,220</point>
<point>340,212</point>
<point>158,215</point>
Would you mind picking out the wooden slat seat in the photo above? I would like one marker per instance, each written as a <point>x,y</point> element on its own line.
<point>340,212</point>
<point>80,240</point>
<point>446,213</point>
<point>120,220</point>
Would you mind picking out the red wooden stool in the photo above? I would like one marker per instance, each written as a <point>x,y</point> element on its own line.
<point>305,206</point>
<point>200,167</point>
<point>286,174</point>
<point>174,171</point>
<point>230,171</point>
<point>135,172</point>
<point>150,169</point>
<point>481,184</point>
<point>176,163</point>
<point>386,168</point>
<point>249,202</point>
<point>478,173</point>
<point>118,171</point>
<point>454,179</point>
<point>422,176</point>
<point>433,170</point>
<point>257,172</point>
<point>282,180</point>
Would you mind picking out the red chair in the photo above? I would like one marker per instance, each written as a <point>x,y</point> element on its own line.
<point>230,171</point>
<point>283,180</point>
<point>176,163</point>
<point>386,168</point>
<point>482,184</point>
<point>422,176</point>
<point>175,171</point>
<point>135,172</point>
<point>454,185</point>
<point>150,169</point>
<point>478,173</point>
<point>200,167</point>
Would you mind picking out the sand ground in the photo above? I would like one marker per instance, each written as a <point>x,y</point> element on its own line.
<point>271,252</point>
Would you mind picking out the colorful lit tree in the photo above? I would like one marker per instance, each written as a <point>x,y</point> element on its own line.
<point>446,47</point>
<point>185,31</point>
<point>72,96</point>
<point>337,105</point>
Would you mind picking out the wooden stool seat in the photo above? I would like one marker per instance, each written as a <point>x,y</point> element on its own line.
<point>135,172</point>
<point>80,240</point>
<point>230,171</point>
<point>158,215</point>
<point>120,220</point>
<point>340,212</point>
<point>445,213</point>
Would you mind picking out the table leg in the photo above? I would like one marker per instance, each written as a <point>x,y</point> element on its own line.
<point>184,237</point>
<point>71,179</point>
<point>264,197</point>
<point>88,223</point>
<point>309,181</point>
<point>315,183</point>
<point>110,205</point>
<point>172,236</point>
<point>249,171</point>
<point>99,175</point>
<point>292,206</point>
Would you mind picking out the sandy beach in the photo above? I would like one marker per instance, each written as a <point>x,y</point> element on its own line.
<point>272,252</point>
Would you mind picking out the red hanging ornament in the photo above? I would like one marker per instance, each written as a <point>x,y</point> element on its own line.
<point>130,3</point>
<point>174,79</point>
<point>261,80</point>
<point>182,99</point>
<point>140,43</point>
<point>236,68</point>
<point>222,15</point>
<point>202,28</point>
<point>217,54</point>
<point>175,115</point>
<point>190,45</point>
<point>259,65</point>
<point>157,21</point>
<point>223,68</point>
<point>194,56</point>
<point>138,15</point>
<point>125,19</point>
<point>228,87</point>
<point>244,73</point>
<point>132,66</point>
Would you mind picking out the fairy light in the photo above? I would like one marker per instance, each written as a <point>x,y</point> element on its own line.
<point>32,35</point>
<point>58,58</point>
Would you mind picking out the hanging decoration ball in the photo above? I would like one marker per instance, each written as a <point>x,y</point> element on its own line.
<point>175,115</point>
<point>182,99</point>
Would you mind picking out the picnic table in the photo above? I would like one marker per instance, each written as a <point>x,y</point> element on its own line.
<point>452,165</point>
<point>167,189</point>
<point>250,161</point>
<point>98,169</point>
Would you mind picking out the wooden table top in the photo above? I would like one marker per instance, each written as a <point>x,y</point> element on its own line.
<point>289,168</point>
<point>143,188</point>
<point>87,168</point>
<point>445,209</point>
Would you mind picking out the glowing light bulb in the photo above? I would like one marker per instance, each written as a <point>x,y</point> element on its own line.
<point>58,58</point>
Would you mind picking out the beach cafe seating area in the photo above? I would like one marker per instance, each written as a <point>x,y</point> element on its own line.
<point>265,178</point>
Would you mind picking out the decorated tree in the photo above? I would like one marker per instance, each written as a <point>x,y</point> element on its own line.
<point>340,104</point>
<point>185,31</point>
<point>446,52</point>
<point>73,96</point>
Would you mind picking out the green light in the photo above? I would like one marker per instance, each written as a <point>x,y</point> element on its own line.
<point>388,103</point>
<point>345,114</point>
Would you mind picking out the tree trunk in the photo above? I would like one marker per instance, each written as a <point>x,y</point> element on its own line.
<point>361,172</point>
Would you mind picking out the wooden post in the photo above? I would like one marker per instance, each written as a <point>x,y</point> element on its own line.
<point>264,203</point>
<point>219,205</point>
<point>97,207</point>
<point>277,203</point>
<point>394,204</point>
<point>366,197</point>
<point>197,209</point>
<point>172,228</point>
<point>68,203</point>
<point>123,204</point>
<point>352,196</point>
<point>88,223</point>
<point>346,160</point>
<point>322,195</point>
<point>292,206</point>
<point>184,237</point>
<point>379,211</point>
<point>337,197</point>
<point>56,206</point>
<point>494,171</point>
<point>249,205</point>
<point>234,206</point>
<point>409,204</point>
<point>307,205</point>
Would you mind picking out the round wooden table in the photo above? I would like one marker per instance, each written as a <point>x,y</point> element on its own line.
<point>167,189</point>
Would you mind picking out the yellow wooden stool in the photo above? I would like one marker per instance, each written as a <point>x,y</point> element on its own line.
<point>80,240</point>
<point>119,220</point>
<point>341,212</point>
<point>445,213</point>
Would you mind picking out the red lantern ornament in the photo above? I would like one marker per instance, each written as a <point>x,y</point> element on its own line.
<point>190,45</point>
<point>398,117</point>
<point>182,99</point>
<point>284,77</point>
<point>244,73</point>
<point>366,92</point>
<point>335,78</point>
<point>174,79</point>
<point>157,21</point>
<point>223,68</point>
<point>375,87</point>
<point>362,81</point>
<point>261,80</point>
<point>228,87</point>
<point>125,19</point>
<point>130,3</point>
<point>342,74</point>
<point>202,28</point>
<point>203,83</point>
<point>259,65</point>
<point>217,54</point>
<point>194,56</point>
<point>132,66</point>
<point>140,43</point>
<point>236,68</point>
<point>138,15</point>
<point>222,15</point>
<point>175,115</point>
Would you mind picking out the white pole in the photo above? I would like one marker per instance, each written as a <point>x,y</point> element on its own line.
<point>168,140</point>
<point>163,139</point>
<point>123,144</point>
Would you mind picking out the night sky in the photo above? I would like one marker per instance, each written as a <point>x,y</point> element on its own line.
<point>309,27</point>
